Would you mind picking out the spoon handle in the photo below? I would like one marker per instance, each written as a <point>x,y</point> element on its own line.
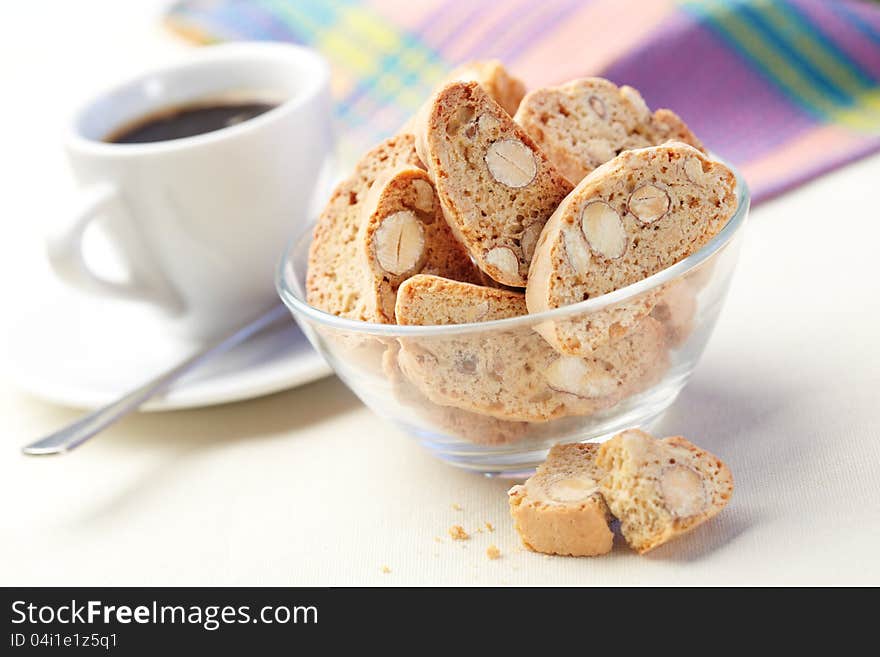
<point>76,433</point>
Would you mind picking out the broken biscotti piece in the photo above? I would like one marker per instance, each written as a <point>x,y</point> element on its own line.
<point>403,232</point>
<point>335,278</point>
<point>560,509</point>
<point>496,187</point>
<point>584,123</point>
<point>514,374</point>
<point>659,489</point>
<point>632,217</point>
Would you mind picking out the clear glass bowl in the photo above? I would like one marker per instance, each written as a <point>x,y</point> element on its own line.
<point>493,397</point>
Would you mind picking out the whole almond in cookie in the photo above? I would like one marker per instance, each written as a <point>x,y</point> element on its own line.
<point>336,275</point>
<point>560,509</point>
<point>402,233</point>
<point>641,212</point>
<point>584,123</point>
<point>660,489</point>
<point>496,187</point>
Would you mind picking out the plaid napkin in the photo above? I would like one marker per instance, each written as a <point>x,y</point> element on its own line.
<point>785,89</point>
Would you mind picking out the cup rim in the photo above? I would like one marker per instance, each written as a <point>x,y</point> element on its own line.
<point>300,307</point>
<point>244,50</point>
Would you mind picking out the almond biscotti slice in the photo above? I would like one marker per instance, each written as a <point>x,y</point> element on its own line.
<point>514,374</point>
<point>403,232</point>
<point>502,87</point>
<point>472,427</point>
<point>425,300</point>
<point>560,510</point>
<point>496,187</point>
<point>490,74</point>
<point>335,277</point>
<point>500,375</point>
<point>584,123</point>
<point>660,489</point>
<point>641,212</point>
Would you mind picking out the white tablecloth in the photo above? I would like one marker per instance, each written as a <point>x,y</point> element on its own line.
<point>307,487</point>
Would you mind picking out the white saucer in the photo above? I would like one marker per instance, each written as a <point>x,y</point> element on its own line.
<point>85,352</point>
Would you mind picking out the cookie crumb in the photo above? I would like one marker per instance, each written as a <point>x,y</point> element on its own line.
<point>456,506</point>
<point>437,539</point>
<point>490,526</point>
<point>386,569</point>
<point>458,533</point>
<point>493,552</point>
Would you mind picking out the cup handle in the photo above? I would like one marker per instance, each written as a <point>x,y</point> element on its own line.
<point>64,247</point>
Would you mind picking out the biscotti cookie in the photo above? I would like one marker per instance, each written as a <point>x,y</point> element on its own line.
<point>335,278</point>
<point>659,489</point>
<point>496,187</point>
<point>514,374</point>
<point>403,232</point>
<point>560,510</point>
<point>584,123</point>
<point>424,300</point>
<point>472,427</point>
<point>632,217</point>
<point>502,87</point>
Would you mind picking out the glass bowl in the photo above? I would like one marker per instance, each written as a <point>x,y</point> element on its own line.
<point>494,396</point>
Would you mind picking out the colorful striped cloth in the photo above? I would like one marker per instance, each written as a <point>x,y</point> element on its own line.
<point>785,89</point>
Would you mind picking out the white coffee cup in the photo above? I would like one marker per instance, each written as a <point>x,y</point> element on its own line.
<point>200,222</point>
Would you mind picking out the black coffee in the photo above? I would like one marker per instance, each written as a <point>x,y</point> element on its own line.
<point>186,121</point>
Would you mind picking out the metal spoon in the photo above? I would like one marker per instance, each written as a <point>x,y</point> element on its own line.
<point>75,434</point>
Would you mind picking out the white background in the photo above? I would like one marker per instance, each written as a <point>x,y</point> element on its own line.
<point>307,487</point>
